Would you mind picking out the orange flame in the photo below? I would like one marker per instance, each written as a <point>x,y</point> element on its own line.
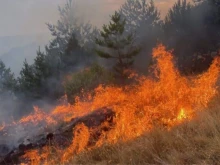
<point>79,143</point>
<point>36,117</point>
<point>33,156</point>
<point>2,126</point>
<point>163,101</point>
<point>182,115</point>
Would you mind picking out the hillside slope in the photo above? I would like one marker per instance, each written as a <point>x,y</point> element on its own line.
<point>193,142</point>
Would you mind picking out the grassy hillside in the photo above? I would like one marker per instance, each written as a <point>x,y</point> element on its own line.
<point>173,119</point>
<point>193,142</point>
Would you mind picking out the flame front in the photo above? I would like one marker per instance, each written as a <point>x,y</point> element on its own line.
<point>165,100</point>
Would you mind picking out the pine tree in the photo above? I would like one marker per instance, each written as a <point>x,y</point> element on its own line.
<point>8,82</point>
<point>212,10</point>
<point>189,32</point>
<point>141,16</point>
<point>63,54</point>
<point>72,43</point>
<point>41,73</point>
<point>68,26</point>
<point>40,65</point>
<point>75,55</point>
<point>8,89</point>
<point>26,80</point>
<point>115,44</point>
<point>179,18</point>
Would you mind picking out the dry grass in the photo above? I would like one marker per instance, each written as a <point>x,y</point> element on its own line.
<point>193,142</point>
<point>165,102</point>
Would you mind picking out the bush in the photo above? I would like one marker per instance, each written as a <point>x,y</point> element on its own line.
<point>86,80</point>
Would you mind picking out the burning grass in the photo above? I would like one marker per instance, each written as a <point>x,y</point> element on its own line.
<point>163,101</point>
<point>192,142</point>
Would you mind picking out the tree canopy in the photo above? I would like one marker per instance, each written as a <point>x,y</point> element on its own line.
<point>115,44</point>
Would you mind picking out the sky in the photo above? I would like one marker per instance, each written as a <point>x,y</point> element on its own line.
<point>27,17</point>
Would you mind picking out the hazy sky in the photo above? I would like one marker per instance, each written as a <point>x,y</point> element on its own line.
<point>19,17</point>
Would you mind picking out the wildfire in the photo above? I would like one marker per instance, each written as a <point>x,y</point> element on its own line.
<point>182,115</point>
<point>36,117</point>
<point>164,100</point>
<point>2,126</point>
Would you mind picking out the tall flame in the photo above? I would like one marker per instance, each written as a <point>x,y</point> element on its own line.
<point>165,100</point>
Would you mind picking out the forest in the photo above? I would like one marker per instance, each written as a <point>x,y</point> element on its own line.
<point>81,56</point>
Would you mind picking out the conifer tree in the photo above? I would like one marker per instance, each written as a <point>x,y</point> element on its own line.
<point>190,31</point>
<point>7,79</point>
<point>179,18</point>
<point>41,73</point>
<point>27,79</point>
<point>141,16</point>
<point>115,44</point>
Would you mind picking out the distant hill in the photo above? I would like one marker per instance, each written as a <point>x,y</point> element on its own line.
<point>15,49</point>
<point>16,56</point>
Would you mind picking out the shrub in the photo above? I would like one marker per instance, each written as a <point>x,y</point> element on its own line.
<point>86,80</point>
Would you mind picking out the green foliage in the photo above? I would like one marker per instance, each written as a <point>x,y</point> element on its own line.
<point>7,79</point>
<point>193,32</point>
<point>32,78</point>
<point>211,9</point>
<point>74,55</point>
<point>141,16</point>
<point>68,25</point>
<point>41,69</point>
<point>115,44</point>
<point>26,79</point>
<point>86,80</point>
<point>179,17</point>
<point>68,49</point>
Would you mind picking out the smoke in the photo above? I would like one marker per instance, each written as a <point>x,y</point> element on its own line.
<point>32,15</point>
<point>37,13</point>
<point>98,11</point>
<point>23,123</point>
<point>165,5</point>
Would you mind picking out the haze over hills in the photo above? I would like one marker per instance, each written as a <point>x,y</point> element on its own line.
<point>15,49</point>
